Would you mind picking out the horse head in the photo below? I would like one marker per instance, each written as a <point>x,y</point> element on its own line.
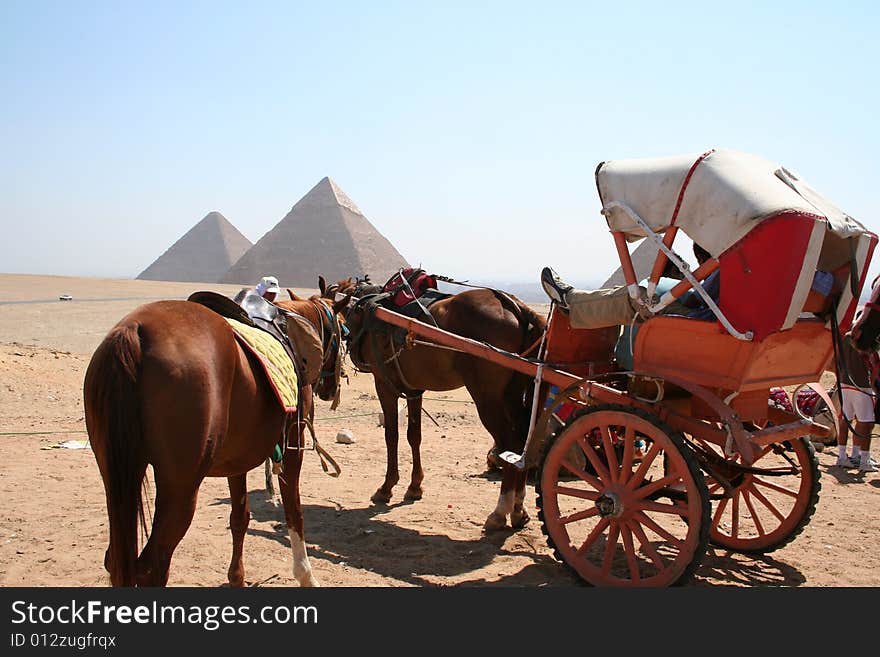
<point>320,341</point>
<point>866,327</point>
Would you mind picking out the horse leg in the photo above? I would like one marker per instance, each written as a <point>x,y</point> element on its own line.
<point>414,438</point>
<point>519,517</point>
<point>506,500</point>
<point>388,400</point>
<point>239,518</point>
<point>270,483</point>
<point>289,485</point>
<point>173,516</point>
<point>504,426</point>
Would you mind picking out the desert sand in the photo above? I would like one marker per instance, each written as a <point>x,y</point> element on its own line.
<point>53,523</point>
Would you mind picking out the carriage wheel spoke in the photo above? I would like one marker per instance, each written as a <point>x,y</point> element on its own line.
<point>734,515</point>
<point>610,548</point>
<point>755,519</point>
<point>580,515</point>
<point>639,475</point>
<point>675,509</point>
<point>597,464</point>
<point>629,440</point>
<point>776,512</point>
<point>778,489</point>
<point>628,547</point>
<point>583,476</point>
<point>657,529</point>
<point>610,454</point>
<point>645,491</point>
<point>646,545</point>
<point>719,511</point>
<point>576,492</point>
<point>715,486</point>
<point>593,535</point>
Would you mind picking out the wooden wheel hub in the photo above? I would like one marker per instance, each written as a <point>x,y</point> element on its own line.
<point>609,505</point>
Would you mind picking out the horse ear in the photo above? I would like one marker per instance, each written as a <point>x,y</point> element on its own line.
<point>322,285</point>
<point>341,303</point>
<point>293,297</point>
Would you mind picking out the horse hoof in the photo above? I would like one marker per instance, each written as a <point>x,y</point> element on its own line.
<point>413,494</point>
<point>494,522</point>
<point>519,520</point>
<point>380,497</point>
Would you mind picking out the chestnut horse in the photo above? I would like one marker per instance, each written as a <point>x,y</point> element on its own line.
<point>171,387</point>
<point>501,395</point>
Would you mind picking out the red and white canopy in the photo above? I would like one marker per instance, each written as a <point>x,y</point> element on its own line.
<point>719,199</point>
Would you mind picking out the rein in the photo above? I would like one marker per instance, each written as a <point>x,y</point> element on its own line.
<point>335,335</point>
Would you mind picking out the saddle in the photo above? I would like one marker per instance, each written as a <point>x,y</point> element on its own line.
<point>251,309</point>
<point>411,292</point>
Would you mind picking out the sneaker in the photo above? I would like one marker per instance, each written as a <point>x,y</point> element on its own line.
<point>554,287</point>
<point>846,462</point>
<point>868,466</point>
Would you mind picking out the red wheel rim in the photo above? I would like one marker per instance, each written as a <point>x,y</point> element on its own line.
<point>622,520</point>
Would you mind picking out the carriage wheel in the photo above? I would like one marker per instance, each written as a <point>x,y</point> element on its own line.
<point>631,516</point>
<point>767,512</point>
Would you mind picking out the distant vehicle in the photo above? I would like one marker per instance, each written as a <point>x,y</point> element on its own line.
<point>65,297</point>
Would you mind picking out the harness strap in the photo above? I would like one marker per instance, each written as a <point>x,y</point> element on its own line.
<point>323,453</point>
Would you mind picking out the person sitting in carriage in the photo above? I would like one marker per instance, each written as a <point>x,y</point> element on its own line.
<point>690,305</point>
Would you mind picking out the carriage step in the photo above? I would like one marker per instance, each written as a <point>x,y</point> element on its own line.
<point>516,460</point>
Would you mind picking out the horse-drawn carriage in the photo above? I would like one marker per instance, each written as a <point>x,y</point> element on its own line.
<point>640,468</point>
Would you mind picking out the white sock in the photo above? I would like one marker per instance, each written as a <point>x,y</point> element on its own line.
<point>841,452</point>
<point>857,452</point>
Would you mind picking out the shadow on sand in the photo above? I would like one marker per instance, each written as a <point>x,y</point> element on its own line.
<point>362,539</point>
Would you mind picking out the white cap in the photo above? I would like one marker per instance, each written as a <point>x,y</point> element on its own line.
<point>268,284</point>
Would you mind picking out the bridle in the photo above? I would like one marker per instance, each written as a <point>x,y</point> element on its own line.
<point>333,332</point>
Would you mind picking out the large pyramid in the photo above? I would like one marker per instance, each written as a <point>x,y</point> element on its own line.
<point>323,234</point>
<point>203,255</point>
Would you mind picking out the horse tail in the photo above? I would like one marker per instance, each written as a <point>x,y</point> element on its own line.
<point>531,324</point>
<point>112,389</point>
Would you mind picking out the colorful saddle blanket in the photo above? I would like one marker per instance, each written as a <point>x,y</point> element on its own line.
<point>275,361</point>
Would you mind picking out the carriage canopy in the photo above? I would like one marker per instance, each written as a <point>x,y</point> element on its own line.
<point>729,193</point>
<point>742,208</point>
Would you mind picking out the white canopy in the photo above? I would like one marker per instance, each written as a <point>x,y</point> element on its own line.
<point>728,194</point>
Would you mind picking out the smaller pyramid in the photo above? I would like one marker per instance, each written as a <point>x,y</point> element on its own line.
<point>323,234</point>
<point>202,255</point>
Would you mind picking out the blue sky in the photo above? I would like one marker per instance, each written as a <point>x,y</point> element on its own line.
<point>467,133</point>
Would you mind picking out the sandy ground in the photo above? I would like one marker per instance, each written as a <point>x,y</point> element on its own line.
<point>53,525</point>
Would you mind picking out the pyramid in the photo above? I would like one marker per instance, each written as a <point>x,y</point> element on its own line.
<point>203,255</point>
<point>323,234</point>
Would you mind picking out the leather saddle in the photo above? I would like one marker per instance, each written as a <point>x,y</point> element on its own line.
<point>250,308</point>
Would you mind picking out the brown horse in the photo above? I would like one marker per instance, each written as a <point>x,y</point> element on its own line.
<point>501,395</point>
<point>171,387</point>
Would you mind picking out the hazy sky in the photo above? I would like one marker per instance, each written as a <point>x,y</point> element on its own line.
<point>467,133</point>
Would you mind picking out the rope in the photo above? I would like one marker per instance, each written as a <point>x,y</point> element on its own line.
<point>39,433</point>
